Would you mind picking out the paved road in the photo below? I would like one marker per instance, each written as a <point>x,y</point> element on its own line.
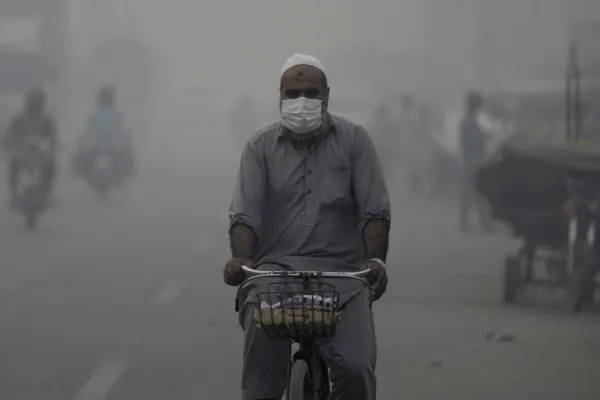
<point>125,302</point>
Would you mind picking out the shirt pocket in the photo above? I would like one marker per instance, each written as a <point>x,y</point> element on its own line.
<point>336,184</point>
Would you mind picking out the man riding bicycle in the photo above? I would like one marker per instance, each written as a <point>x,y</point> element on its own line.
<point>310,196</point>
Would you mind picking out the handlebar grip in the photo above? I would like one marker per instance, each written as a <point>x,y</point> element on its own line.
<point>253,272</point>
<point>362,274</point>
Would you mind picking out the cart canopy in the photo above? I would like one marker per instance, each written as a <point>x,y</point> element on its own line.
<point>525,182</point>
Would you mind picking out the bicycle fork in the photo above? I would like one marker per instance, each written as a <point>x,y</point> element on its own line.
<point>308,351</point>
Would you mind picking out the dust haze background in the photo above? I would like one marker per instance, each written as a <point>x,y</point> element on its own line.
<point>210,53</point>
<point>213,51</point>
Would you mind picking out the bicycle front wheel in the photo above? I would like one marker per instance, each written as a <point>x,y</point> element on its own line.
<point>300,381</point>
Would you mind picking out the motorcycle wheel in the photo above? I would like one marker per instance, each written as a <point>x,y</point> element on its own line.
<point>31,221</point>
<point>102,193</point>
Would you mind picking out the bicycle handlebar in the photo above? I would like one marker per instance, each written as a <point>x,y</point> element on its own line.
<point>299,274</point>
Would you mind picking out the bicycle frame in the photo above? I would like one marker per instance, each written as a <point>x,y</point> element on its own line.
<point>307,351</point>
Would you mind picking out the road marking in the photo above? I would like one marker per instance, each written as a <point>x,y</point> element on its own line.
<point>101,381</point>
<point>169,292</point>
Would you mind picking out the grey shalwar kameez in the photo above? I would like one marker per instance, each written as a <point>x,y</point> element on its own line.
<point>307,206</point>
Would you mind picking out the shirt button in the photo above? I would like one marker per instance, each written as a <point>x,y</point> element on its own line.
<point>309,171</point>
<point>309,191</point>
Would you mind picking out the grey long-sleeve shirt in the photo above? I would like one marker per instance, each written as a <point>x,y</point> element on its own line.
<point>308,205</point>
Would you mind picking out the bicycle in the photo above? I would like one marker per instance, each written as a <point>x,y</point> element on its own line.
<point>313,313</point>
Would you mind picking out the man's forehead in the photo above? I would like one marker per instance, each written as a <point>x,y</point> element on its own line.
<point>303,74</point>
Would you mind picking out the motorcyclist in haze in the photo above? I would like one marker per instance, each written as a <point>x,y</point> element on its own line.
<point>105,131</point>
<point>33,120</point>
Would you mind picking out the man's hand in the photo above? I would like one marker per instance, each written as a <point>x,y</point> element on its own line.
<point>377,278</point>
<point>233,275</point>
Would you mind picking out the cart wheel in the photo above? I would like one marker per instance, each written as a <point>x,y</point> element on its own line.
<point>589,280</point>
<point>511,279</point>
<point>581,283</point>
<point>529,255</point>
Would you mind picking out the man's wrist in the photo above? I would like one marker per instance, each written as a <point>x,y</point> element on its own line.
<point>246,260</point>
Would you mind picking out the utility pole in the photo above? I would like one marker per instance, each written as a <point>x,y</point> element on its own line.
<point>582,36</point>
<point>488,37</point>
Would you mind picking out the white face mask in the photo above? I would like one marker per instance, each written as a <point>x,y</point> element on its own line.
<point>302,115</point>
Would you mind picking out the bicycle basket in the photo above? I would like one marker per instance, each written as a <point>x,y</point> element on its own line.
<point>312,312</point>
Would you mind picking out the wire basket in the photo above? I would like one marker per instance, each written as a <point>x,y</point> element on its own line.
<point>308,313</point>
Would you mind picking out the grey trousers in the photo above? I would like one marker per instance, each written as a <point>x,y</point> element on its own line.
<point>471,198</point>
<point>351,356</point>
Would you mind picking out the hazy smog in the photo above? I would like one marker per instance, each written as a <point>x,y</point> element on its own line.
<point>114,219</point>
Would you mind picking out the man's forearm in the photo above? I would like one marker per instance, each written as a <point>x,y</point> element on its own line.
<point>376,239</point>
<point>242,241</point>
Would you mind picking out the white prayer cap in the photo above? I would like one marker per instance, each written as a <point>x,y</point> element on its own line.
<point>301,59</point>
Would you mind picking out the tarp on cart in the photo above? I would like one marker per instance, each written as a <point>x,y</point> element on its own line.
<point>557,152</point>
<point>525,182</point>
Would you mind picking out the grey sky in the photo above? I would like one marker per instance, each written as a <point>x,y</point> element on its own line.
<point>248,41</point>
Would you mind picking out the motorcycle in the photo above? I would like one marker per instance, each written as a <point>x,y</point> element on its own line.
<point>32,191</point>
<point>103,175</point>
<point>102,165</point>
